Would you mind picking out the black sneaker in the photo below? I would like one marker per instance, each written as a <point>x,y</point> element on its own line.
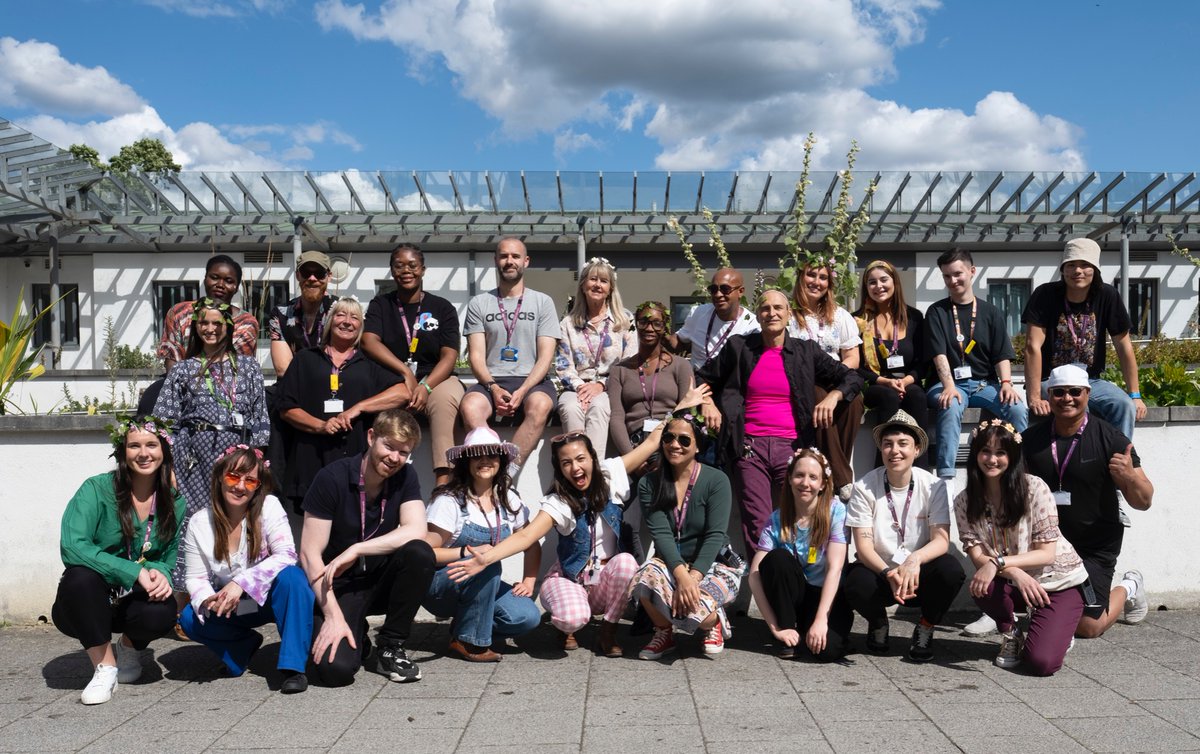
<point>392,661</point>
<point>877,639</point>
<point>921,649</point>
<point>294,683</point>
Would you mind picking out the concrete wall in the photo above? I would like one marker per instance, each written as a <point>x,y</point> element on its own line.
<point>46,459</point>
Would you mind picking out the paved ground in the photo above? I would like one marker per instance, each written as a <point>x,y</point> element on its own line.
<point>1136,689</point>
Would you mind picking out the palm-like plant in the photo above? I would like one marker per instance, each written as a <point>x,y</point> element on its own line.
<point>17,361</point>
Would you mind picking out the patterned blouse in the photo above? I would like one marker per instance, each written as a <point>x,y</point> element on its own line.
<point>205,575</point>
<point>586,355</point>
<point>177,328</point>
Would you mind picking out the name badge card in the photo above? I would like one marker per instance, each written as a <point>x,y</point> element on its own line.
<point>333,406</point>
<point>649,425</point>
<point>508,353</point>
<point>900,555</point>
<point>238,419</point>
<point>962,373</point>
<point>895,362</point>
<point>1062,497</point>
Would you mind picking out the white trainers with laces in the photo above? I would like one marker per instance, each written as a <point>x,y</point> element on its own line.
<point>1137,606</point>
<point>129,662</point>
<point>984,626</point>
<point>100,689</point>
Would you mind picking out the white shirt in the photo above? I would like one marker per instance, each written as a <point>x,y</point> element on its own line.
<point>868,509</point>
<point>445,513</point>
<point>704,339</point>
<point>833,338</point>
<point>618,489</point>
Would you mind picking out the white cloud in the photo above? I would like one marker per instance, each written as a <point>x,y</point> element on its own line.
<point>716,84</point>
<point>35,75</point>
<point>217,8</point>
<point>568,141</point>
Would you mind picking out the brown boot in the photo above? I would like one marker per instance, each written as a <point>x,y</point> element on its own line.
<point>568,641</point>
<point>606,641</point>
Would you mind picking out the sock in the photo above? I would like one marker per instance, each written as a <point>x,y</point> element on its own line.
<point>1130,588</point>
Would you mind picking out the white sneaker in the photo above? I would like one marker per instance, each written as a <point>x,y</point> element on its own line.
<point>1138,606</point>
<point>984,626</point>
<point>100,689</point>
<point>129,662</point>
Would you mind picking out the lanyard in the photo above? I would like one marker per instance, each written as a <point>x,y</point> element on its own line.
<point>410,330</point>
<point>335,372</point>
<point>965,344</point>
<point>653,385</point>
<point>595,352</point>
<point>214,380</point>
<point>682,510</point>
<point>710,353</point>
<point>315,340</point>
<point>1071,319</point>
<point>510,326</point>
<point>146,539</point>
<point>895,338</point>
<point>815,337</point>
<point>362,504</point>
<point>899,524</point>
<point>1062,468</point>
<point>494,535</point>
<point>999,548</point>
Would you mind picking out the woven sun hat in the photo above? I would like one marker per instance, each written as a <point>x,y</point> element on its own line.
<point>1081,250</point>
<point>903,420</point>
<point>482,441</point>
<point>1068,375</point>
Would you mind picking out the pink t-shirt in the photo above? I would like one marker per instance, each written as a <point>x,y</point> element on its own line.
<point>768,398</point>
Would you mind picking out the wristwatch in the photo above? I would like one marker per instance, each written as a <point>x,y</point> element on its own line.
<point>999,561</point>
<point>489,385</point>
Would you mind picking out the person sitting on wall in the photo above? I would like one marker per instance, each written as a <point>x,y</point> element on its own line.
<point>298,323</point>
<point>709,326</point>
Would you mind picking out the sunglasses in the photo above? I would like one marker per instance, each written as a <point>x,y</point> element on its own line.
<point>724,290</point>
<point>320,273</point>
<point>232,478</point>
<point>685,441</point>
<point>1060,392</point>
<point>567,437</point>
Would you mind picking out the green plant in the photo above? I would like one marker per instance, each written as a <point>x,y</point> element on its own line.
<point>17,362</point>
<point>1163,384</point>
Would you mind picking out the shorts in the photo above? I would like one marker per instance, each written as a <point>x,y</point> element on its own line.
<point>512,383</point>
<point>1100,569</point>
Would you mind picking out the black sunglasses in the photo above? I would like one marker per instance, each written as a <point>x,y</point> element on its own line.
<point>724,290</point>
<point>685,441</point>
<point>1074,392</point>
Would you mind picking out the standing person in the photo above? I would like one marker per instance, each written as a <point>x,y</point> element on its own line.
<point>414,333</point>
<point>298,323</point>
<point>1086,461</point>
<point>902,547</point>
<point>585,505</point>
<point>596,334</point>
<point>511,337</point>
<point>330,396</point>
<point>797,568</point>
<point>764,384</point>
<point>1009,529</point>
<point>364,551</point>
<point>972,359</point>
<point>892,357</point>
<point>119,537</point>
<point>709,326</point>
<point>694,573</point>
<point>217,398</point>
<point>460,517</point>
<point>241,572</point>
<point>222,278</point>
<point>818,318</point>
<point>1067,322</point>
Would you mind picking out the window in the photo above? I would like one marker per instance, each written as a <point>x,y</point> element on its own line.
<point>262,297</point>
<point>167,295</point>
<point>384,286</point>
<point>1143,306</point>
<point>681,307</point>
<point>68,323</point>
<point>1010,297</point>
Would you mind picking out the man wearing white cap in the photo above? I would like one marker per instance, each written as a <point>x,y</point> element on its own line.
<point>1066,322</point>
<point>1086,460</point>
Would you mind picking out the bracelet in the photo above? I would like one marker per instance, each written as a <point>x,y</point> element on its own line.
<point>1136,395</point>
<point>1005,381</point>
<point>886,571</point>
<point>462,552</point>
<point>489,385</point>
<point>425,385</point>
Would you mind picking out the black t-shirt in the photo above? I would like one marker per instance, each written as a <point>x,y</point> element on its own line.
<point>1102,312</point>
<point>286,323</point>
<point>436,326</point>
<point>1091,521</point>
<point>305,385</point>
<point>990,334</point>
<point>333,496</point>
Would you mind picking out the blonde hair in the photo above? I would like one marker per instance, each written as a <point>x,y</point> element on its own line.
<point>345,303</point>
<point>819,523</point>
<point>899,309</point>
<point>397,424</point>
<point>579,310</point>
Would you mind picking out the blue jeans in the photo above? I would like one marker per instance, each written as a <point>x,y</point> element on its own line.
<point>977,394</point>
<point>482,607</point>
<point>289,606</point>
<point>1110,403</point>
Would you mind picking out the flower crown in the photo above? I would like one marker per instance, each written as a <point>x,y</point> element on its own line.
<point>240,446</point>
<point>600,261</point>
<point>694,417</point>
<point>1006,426</point>
<point>211,303</point>
<point>152,424</point>
<point>655,305</point>
<point>820,459</point>
<point>816,261</point>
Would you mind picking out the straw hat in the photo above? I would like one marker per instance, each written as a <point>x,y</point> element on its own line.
<point>903,420</point>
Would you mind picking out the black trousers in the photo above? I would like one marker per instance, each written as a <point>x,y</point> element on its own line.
<point>393,586</point>
<point>795,602</point>
<point>83,610</point>
<point>870,594</point>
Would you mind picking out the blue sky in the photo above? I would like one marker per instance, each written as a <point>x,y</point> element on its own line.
<point>610,84</point>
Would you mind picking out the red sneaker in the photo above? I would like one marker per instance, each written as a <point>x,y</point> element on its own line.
<point>662,643</point>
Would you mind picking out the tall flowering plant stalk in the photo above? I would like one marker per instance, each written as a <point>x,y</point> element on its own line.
<point>714,239</point>
<point>699,275</point>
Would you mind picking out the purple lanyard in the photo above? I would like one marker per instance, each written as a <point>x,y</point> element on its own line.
<point>963,342</point>
<point>509,326</point>
<point>1062,468</point>
<point>895,337</point>
<point>146,539</point>
<point>309,342</point>
<point>493,536</point>
<point>681,513</point>
<point>335,372</point>
<point>1071,320</point>
<point>408,330</point>
<point>653,385</point>
<point>362,504</point>
<point>716,348</point>
<point>899,524</point>
<point>595,352</point>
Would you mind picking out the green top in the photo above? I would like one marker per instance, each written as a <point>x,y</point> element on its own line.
<point>91,535</point>
<point>704,526</point>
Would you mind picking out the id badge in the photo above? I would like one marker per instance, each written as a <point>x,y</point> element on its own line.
<point>900,555</point>
<point>333,406</point>
<point>962,373</point>
<point>591,576</point>
<point>508,353</point>
<point>412,366</point>
<point>649,425</point>
<point>246,606</point>
<point>1062,497</point>
<point>238,419</point>
<point>812,555</point>
<point>895,362</point>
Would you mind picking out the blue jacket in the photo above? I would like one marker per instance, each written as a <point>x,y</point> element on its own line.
<point>574,550</point>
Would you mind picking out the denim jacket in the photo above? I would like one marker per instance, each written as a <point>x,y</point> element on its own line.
<point>574,550</point>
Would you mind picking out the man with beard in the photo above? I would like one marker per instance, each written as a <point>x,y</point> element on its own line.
<point>297,324</point>
<point>512,332</point>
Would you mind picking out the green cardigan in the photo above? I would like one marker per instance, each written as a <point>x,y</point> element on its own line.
<point>91,535</point>
<point>704,527</point>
